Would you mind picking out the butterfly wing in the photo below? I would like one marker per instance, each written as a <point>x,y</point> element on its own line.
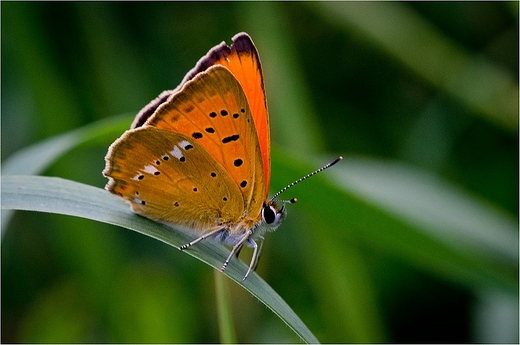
<point>171,178</point>
<point>242,59</point>
<point>212,114</point>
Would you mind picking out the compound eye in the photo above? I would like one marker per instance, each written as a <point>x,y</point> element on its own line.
<point>268,214</point>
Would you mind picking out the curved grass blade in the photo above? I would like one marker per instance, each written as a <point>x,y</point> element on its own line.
<point>36,158</point>
<point>60,196</point>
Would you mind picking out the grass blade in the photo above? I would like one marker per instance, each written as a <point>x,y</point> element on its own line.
<point>56,195</point>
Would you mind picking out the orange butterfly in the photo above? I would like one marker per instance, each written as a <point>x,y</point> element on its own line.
<point>198,157</point>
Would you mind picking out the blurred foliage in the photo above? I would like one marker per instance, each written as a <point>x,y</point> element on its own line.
<point>433,85</point>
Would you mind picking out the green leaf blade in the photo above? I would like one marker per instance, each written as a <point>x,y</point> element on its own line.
<point>56,195</point>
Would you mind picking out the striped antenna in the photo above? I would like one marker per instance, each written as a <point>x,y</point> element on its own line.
<point>293,200</point>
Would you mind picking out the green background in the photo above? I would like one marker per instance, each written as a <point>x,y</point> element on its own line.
<point>431,86</point>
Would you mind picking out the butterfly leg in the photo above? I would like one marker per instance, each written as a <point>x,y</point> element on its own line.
<point>236,247</point>
<point>184,246</point>
<point>257,259</point>
<point>238,250</point>
<point>254,258</point>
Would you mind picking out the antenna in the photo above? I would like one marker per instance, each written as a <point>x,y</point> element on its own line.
<point>293,200</point>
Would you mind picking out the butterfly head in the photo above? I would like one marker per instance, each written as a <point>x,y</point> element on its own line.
<point>273,215</point>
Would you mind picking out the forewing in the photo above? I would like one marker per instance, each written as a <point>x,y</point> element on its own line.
<point>242,59</point>
<point>213,110</point>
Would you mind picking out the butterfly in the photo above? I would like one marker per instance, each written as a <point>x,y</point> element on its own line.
<point>198,157</point>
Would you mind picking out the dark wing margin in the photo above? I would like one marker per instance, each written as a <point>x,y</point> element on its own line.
<point>242,43</point>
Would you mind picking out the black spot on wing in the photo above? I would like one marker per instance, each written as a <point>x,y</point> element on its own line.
<point>231,138</point>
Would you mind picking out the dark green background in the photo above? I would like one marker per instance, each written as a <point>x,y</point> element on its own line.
<point>336,84</point>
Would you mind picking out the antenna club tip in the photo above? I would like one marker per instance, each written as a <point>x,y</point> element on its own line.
<point>335,161</point>
<point>293,200</point>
